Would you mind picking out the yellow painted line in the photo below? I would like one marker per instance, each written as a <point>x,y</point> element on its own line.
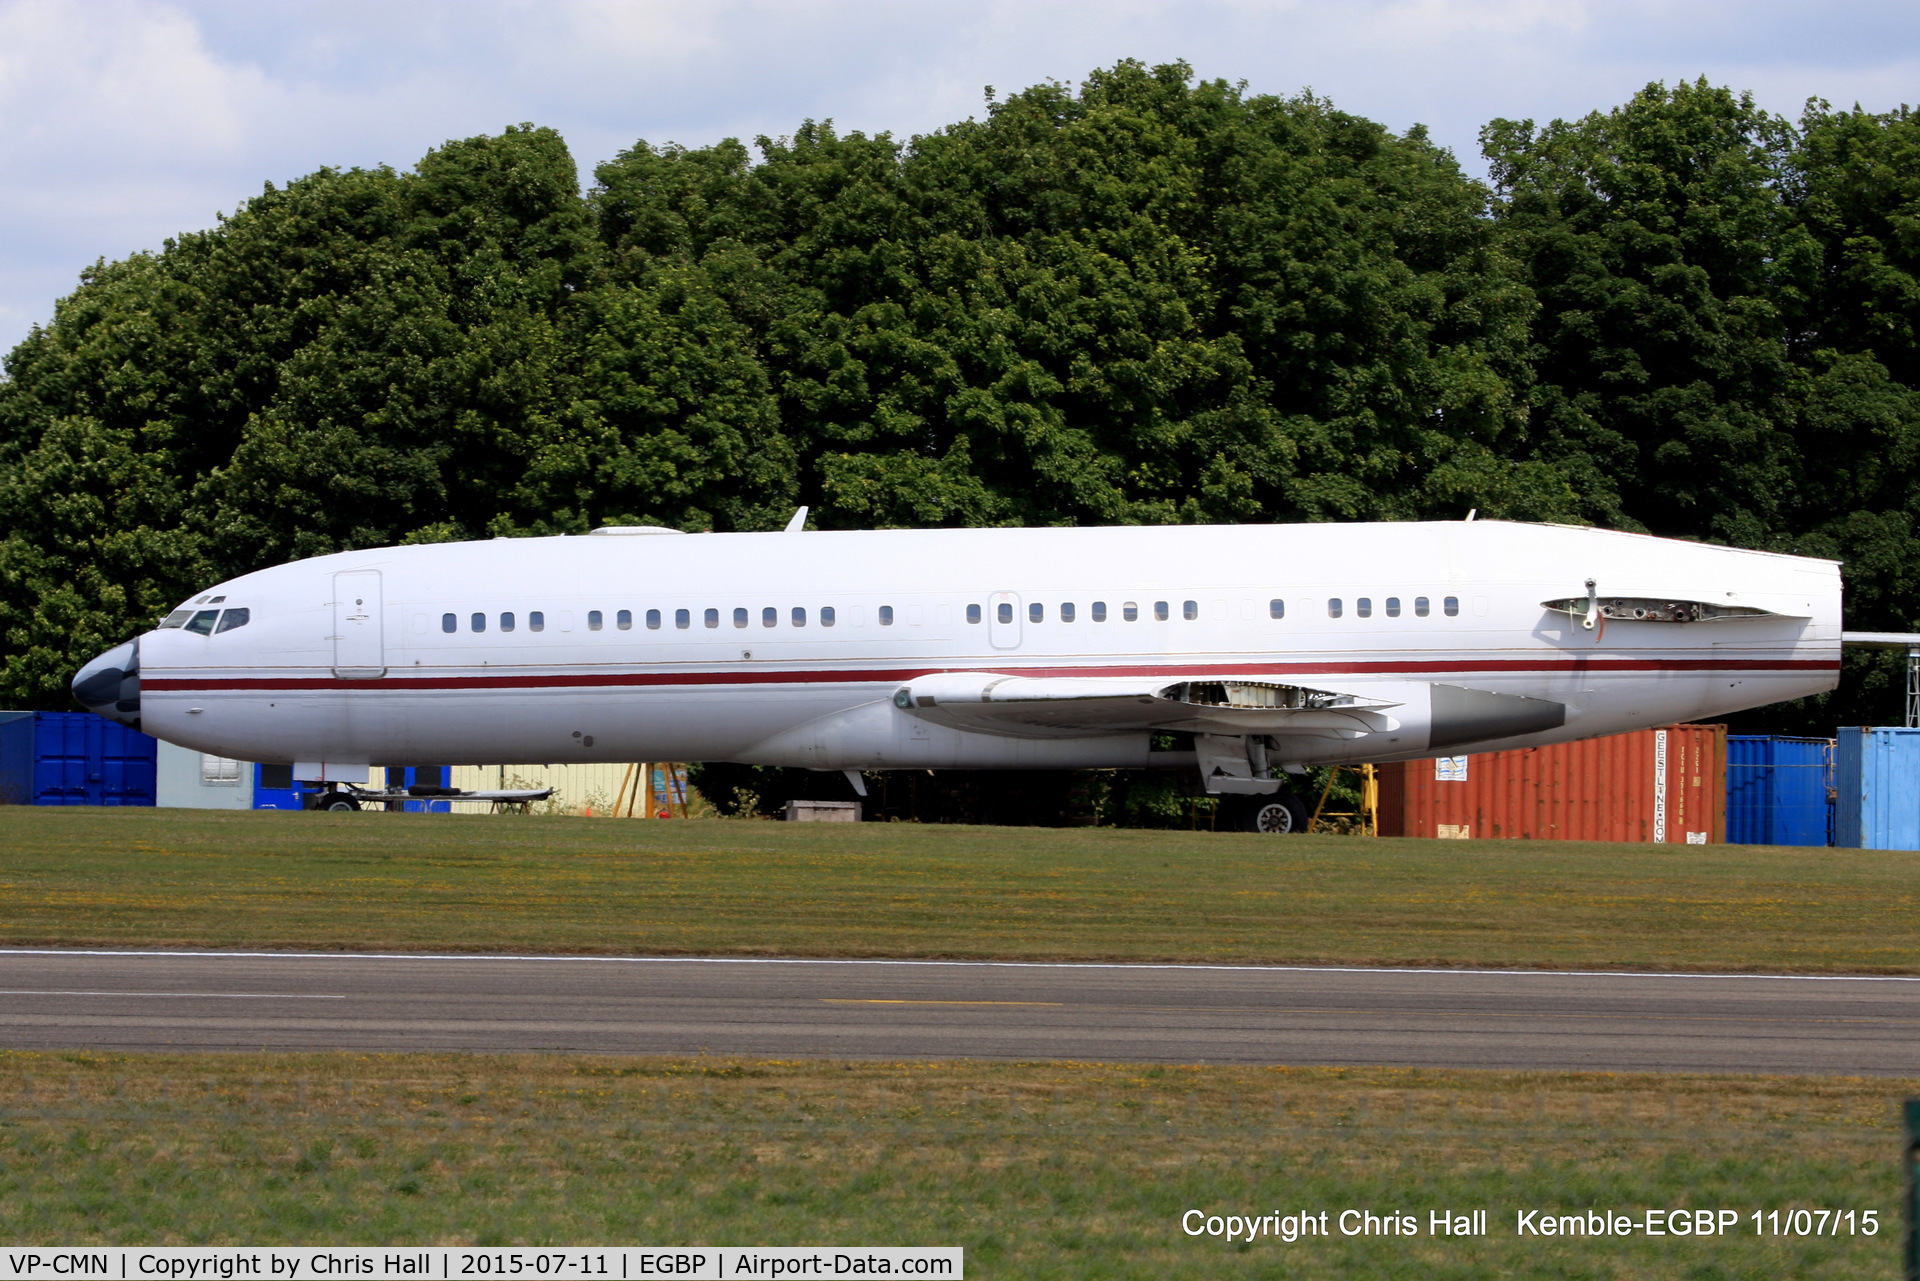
<point>834,1000</point>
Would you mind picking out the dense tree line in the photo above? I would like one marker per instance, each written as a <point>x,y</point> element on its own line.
<point>1144,299</point>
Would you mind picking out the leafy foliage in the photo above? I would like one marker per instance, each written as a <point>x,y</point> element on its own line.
<point>1144,299</point>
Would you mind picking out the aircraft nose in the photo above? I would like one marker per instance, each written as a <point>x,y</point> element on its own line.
<point>109,686</point>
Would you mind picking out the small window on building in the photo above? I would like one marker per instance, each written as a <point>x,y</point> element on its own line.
<point>799,616</point>
<point>1364,607</point>
<point>1393,607</point>
<point>1420,606</point>
<point>536,621</point>
<point>711,618</point>
<point>886,615</point>
<point>506,622</point>
<point>769,617</point>
<point>449,622</point>
<point>740,616</point>
<point>1334,607</point>
<point>1276,609</point>
<point>973,614</point>
<point>1066,611</point>
<point>201,624</point>
<point>1190,609</point>
<point>231,619</point>
<point>683,619</point>
<point>1099,611</point>
<point>478,622</point>
<point>826,616</point>
<point>594,620</point>
<point>177,618</point>
<point>1036,612</point>
<point>1160,610</point>
<point>1130,611</point>
<point>1450,606</point>
<point>219,771</point>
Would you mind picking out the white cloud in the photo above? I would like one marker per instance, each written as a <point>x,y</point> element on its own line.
<point>125,121</point>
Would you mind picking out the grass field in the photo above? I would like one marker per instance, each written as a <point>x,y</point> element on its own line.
<point>1039,1170</point>
<point>182,878</point>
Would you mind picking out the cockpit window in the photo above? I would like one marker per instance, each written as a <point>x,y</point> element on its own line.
<point>233,618</point>
<point>201,624</point>
<point>178,618</point>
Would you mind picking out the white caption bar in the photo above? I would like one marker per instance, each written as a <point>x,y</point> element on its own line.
<point>456,1263</point>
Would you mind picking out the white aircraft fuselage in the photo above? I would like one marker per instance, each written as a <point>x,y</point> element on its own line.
<point>1275,645</point>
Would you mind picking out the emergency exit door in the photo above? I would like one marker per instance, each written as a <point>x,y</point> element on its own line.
<point>359,648</point>
<point>1003,620</point>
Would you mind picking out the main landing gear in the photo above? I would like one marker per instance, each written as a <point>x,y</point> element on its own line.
<point>1276,814</point>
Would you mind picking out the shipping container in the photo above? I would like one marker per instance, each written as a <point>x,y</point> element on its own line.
<point>1876,784</point>
<point>74,758</point>
<point>1779,790</point>
<point>1658,785</point>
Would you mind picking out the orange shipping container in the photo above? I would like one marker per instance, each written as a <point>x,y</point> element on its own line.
<point>1666,784</point>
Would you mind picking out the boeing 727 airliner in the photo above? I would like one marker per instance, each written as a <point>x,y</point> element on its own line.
<point>1274,647</point>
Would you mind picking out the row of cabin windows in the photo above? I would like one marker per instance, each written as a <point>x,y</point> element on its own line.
<point>1363,606</point>
<point>1003,612</point>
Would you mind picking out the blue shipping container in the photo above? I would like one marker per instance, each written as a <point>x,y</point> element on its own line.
<point>1876,783</point>
<point>1779,790</point>
<point>74,758</point>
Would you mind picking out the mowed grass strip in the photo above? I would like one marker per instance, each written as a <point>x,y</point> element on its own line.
<point>182,878</point>
<point>1038,1170</point>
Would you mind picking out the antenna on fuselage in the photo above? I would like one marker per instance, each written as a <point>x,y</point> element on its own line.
<point>1472,512</point>
<point>798,524</point>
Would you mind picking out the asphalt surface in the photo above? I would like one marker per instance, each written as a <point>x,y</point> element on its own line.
<point>929,1009</point>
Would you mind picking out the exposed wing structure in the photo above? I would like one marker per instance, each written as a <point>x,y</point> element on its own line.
<point>1064,707</point>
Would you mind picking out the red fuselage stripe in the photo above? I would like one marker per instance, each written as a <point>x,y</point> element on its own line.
<point>1560,666</point>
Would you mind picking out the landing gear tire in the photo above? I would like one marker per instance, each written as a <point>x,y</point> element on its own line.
<point>1278,814</point>
<point>338,801</point>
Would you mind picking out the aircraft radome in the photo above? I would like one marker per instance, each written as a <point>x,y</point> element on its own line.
<point>1274,646</point>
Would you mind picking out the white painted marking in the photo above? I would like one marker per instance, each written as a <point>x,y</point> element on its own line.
<point>981,965</point>
<point>227,996</point>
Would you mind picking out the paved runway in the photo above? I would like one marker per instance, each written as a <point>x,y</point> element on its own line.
<point>922,1009</point>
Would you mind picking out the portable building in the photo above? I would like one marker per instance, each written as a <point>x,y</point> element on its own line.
<point>1779,790</point>
<point>274,788</point>
<point>1876,785</point>
<point>1659,785</point>
<point>186,779</point>
<point>73,758</point>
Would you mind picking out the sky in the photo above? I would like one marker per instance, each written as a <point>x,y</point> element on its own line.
<point>123,122</point>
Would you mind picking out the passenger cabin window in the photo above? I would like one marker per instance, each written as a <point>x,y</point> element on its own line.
<point>1099,611</point>
<point>1450,606</point>
<point>536,621</point>
<point>740,617</point>
<point>478,622</point>
<point>449,623</point>
<point>594,620</point>
<point>1066,611</point>
<point>506,622</point>
<point>1036,612</point>
<point>1004,612</point>
<point>231,619</point>
<point>1333,607</point>
<point>1276,609</point>
<point>1130,611</point>
<point>177,618</point>
<point>1189,609</point>
<point>799,616</point>
<point>886,615</point>
<point>201,624</point>
<point>1420,606</point>
<point>826,616</point>
<point>1393,607</point>
<point>1160,610</point>
<point>973,614</point>
<point>769,617</point>
<point>711,618</point>
<point>682,619</point>
<point>1364,607</point>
